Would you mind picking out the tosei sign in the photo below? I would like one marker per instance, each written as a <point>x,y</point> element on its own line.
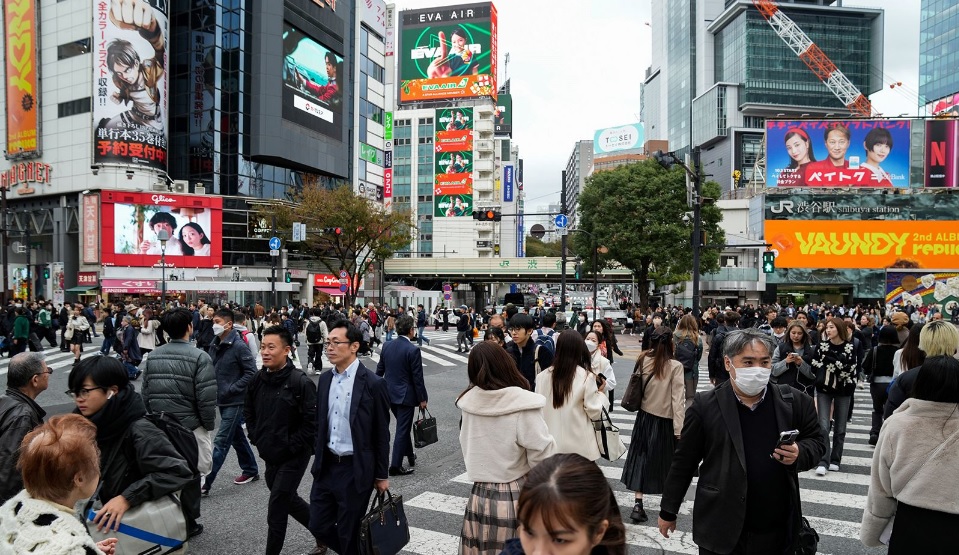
<point>615,139</point>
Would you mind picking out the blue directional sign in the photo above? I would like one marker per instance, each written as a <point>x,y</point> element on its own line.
<point>561,221</point>
<point>274,243</point>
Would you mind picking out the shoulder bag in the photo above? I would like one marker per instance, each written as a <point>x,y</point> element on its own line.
<point>611,446</point>
<point>807,540</point>
<point>424,429</point>
<point>635,389</point>
<point>384,530</point>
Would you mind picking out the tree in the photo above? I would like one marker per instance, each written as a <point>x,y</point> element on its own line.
<point>538,247</point>
<point>366,233</point>
<point>636,211</point>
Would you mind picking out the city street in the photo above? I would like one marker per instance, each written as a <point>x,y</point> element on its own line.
<point>435,496</point>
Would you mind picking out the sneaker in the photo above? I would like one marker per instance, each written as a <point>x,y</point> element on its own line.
<point>821,471</point>
<point>873,440</point>
<point>834,468</point>
<point>245,479</point>
<point>205,491</point>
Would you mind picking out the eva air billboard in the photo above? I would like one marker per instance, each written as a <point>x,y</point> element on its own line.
<point>448,52</point>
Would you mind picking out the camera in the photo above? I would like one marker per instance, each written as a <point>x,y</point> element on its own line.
<point>686,218</point>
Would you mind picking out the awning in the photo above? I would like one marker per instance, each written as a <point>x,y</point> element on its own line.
<point>331,291</point>
<point>82,290</point>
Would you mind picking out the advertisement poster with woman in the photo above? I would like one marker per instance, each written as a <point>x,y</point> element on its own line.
<point>454,130</point>
<point>312,77</point>
<point>837,153</point>
<point>453,206</point>
<point>130,82</point>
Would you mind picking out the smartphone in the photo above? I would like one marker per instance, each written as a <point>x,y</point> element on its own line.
<point>600,378</point>
<point>787,438</point>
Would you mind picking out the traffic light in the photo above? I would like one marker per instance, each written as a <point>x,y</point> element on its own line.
<point>769,262</point>
<point>288,277</point>
<point>487,215</point>
<point>46,273</point>
<point>333,230</point>
<point>579,269</point>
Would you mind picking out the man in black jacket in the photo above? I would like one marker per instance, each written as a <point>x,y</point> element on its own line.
<point>64,318</point>
<point>530,358</point>
<point>714,362</point>
<point>748,481</point>
<point>280,413</point>
<point>27,377</point>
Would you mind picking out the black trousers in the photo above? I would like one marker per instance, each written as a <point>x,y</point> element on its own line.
<point>190,502</point>
<point>879,397</point>
<point>314,354</point>
<point>336,506</point>
<point>283,480</point>
<point>751,543</point>
<point>402,442</point>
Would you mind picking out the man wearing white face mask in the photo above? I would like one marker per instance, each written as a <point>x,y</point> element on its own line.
<point>748,481</point>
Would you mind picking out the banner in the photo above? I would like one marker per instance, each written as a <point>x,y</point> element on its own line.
<point>58,281</point>
<point>23,89</point>
<point>387,126</point>
<point>312,76</point>
<point>503,115</point>
<point>837,153</point>
<point>454,163</point>
<point>131,58</point>
<point>508,183</point>
<point>446,205</point>
<point>131,224</point>
<point>448,52</point>
<point>942,153</point>
<point>91,229</point>
<point>615,139</point>
<point>203,89</point>
<point>922,288</point>
<point>870,205</point>
<point>864,244</point>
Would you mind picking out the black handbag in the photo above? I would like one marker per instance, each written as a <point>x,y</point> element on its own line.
<point>808,541</point>
<point>424,429</point>
<point>384,530</point>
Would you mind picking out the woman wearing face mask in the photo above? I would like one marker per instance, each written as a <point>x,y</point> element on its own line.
<point>658,421</point>
<point>835,368</point>
<point>601,364</point>
<point>582,325</point>
<point>137,461</point>
<point>792,363</point>
<point>607,344</point>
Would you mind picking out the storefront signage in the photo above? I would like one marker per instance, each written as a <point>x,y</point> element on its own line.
<point>24,173</point>
<point>90,279</point>
<point>91,227</point>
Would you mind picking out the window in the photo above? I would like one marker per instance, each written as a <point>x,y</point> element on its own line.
<point>75,48</point>
<point>426,140</point>
<point>73,107</point>
<point>398,142</point>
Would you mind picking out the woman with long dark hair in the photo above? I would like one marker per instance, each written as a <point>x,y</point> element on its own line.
<point>567,506</point>
<point>878,367</point>
<point>574,399</point>
<point>608,345</point>
<point>502,436</point>
<point>910,355</point>
<point>659,420</point>
<point>792,361</point>
<point>193,240</point>
<point>835,367</point>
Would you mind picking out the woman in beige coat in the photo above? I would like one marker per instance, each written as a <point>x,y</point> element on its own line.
<point>573,397</point>
<point>147,339</point>
<point>502,435</point>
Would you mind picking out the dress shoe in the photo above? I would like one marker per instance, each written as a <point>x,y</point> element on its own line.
<point>319,550</point>
<point>638,514</point>
<point>195,531</point>
<point>400,471</point>
<point>412,459</point>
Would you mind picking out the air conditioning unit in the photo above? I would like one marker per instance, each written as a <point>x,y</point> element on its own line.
<point>161,186</point>
<point>180,186</point>
<point>199,189</point>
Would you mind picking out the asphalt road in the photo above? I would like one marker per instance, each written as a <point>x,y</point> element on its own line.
<point>435,495</point>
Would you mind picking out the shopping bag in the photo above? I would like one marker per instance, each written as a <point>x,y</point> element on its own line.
<point>611,446</point>
<point>155,527</point>
<point>384,530</point>
<point>424,429</point>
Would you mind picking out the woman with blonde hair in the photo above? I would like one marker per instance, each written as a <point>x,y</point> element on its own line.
<point>689,351</point>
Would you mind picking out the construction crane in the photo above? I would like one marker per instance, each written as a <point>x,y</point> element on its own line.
<point>813,56</point>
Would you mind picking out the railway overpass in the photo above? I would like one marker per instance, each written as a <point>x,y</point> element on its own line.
<point>491,270</point>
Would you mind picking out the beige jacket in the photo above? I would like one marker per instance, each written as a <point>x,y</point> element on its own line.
<point>147,338</point>
<point>666,397</point>
<point>908,438</point>
<point>572,423</point>
<point>503,434</point>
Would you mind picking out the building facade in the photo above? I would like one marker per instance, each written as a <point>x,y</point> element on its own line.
<point>578,167</point>
<point>938,53</point>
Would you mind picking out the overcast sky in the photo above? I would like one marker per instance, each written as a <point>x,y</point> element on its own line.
<point>577,66</point>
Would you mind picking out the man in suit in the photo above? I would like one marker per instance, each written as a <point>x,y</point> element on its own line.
<point>748,481</point>
<point>352,442</point>
<point>402,365</point>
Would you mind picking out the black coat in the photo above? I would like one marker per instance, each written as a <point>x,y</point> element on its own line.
<point>712,435</point>
<point>280,414</point>
<point>18,415</point>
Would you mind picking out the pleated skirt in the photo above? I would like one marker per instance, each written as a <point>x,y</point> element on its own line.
<point>650,454</point>
<point>490,518</point>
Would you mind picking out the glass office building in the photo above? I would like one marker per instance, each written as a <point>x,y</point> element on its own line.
<point>938,50</point>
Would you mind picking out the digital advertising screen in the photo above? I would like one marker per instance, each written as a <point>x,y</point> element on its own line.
<point>451,205</point>
<point>942,153</point>
<point>454,130</point>
<point>922,288</point>
<point>503,115</point>
<point>837,153</point>
<point>448,52</point>
<point>131,223</point>
<point>130,61</point>
<point>22,85</point>
<point>312,74</point>
<point>453,163</point>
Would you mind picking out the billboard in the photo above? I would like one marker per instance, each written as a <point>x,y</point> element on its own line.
<point>131,55</point>
<point>614,139</point>
<point>920,205</point>
<point>503,115</point>
<point>922,288</point>
<point>508,183</point>
<point>454,130</point>
<point>22,87</point>
<point>942,153</point>
<point>131,223</point>
<point>312,74</point>
<point>453,163</point>
<point>837,153</point>
<point>944,106</point>
<point>447,205</point>
<point>448,52</point>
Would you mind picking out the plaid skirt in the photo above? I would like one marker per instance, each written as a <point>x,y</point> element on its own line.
<point>490,517</point>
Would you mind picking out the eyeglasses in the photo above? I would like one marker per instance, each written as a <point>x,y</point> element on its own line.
<point>47,371</point>
<point>83,393</point>
<point>332,343</point>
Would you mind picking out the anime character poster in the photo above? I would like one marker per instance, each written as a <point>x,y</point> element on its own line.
<point>130,118</point>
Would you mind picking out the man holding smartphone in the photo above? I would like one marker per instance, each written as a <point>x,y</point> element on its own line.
<point>742,505</point>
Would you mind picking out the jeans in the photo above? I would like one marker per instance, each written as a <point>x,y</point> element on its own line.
<point>879,397</point>
<point>420,338</point>
<point>231,433</point>
<point>840,413</point>
<point>389,335</point>
<point>107,344</point>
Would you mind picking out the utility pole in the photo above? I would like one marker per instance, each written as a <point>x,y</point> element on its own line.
<point>697,177</point>
<point>273,267</point>
<point>3,244</point>
<point>562,254</point>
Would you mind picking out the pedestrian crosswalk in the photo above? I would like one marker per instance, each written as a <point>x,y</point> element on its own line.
<point>833,503</point>
<point>441,351</point>
<point>57,359</point>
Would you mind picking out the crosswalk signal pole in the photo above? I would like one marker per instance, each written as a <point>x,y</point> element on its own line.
<point>562,254</point>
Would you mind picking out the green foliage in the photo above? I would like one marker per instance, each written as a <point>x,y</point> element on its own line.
<point>636,211</point>
<point>538,247</point>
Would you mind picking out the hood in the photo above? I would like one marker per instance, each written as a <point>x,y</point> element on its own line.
<point>315,319</point>
<point>927,409</point>
<point>499,402</point>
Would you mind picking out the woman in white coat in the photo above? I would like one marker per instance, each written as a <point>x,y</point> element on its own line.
<point>147,339</point>
<point>600,364</point>
<point>575,397</point>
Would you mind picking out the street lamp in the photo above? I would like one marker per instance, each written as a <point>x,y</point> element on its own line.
<point>164,236</point>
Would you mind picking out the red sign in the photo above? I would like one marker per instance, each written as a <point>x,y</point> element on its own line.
<point>454,141</point>
<point>91,229</point>
<point>388,183</point>
<point>327,280</point>
<point>88,278</point>
<point>24,173</point>
<point>130,286</point>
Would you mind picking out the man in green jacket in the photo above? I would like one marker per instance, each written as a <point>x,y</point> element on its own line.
<point>21,331</point>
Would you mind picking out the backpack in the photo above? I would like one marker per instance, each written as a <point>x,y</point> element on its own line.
<point>546,340</point>
<point>182,439</point>
<point>243,334</point>
<point>313,333</point>
<point>715,360</point>
<point>374,318</point>
<point>686,353</point>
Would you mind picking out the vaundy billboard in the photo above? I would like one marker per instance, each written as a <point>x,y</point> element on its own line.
<point>837,153</point>
<point>448,52</point>
<point>132,223</point>
<point>131,57</point>
<point>22,87</point>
